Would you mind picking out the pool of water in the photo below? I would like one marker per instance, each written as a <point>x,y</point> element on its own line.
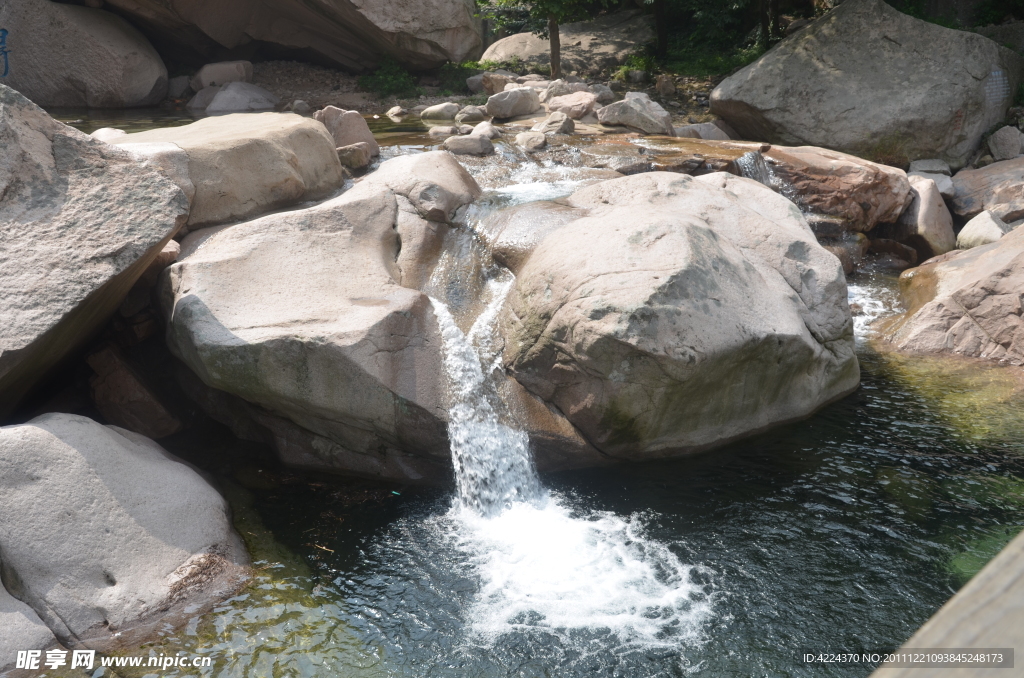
<point>842,532</point>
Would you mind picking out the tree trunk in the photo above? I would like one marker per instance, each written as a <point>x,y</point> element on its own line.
<point>661,26</point>
<point>556,47</point>
<point>762,39</point>
<point>774,32</point>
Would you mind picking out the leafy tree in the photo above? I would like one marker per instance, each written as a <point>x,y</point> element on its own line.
<point>543,18</point>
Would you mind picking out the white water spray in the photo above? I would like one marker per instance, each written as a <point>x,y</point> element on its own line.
<point>541,567</point>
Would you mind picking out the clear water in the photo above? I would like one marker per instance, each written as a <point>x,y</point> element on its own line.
<point>845,532</point>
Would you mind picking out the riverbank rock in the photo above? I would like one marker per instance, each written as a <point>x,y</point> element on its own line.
<point>513,102</point>
<point>23,630</point>
<point>107,536</point>
<point>81,221</point>
<point>65,55</point>
<point>941,90</point>
<point>637,111</point>
<point>1005,143</point>
<point>860,192</point>
<point>555,123</point>
<point>338,341</point>
<point>997,188</point>
<point>241,97</point>
<point>678,314</point>
<point>246,164</point>
<point>576,105</point>
<point>470,144</point>
<point>531,142</point>
<point>221,73</point>
<point>926,224</point>
<point>587,46</point>
<point>355,156</point>
<point>965,303</point>
<point>348,34</point>
<point>347,127</point>
<point>984,229</point>
<point>446,111</point>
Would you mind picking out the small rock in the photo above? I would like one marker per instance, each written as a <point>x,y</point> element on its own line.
<point>531,141</point>
<point>471,114</point>
<point>445,111</point>
<point>301,107</point>
<point>473,144</point>
<point>443,131</point>
<point>605,95</point>
<point>239,97</point>
<point>931,166</point>
<point>417,110</point>
<point>486,129</point>
<point>355,156</point>
<point>347,127</point>
<point>494,83</point>
<point>465,129</point>
<point>202,99</point>
<point>637,76</point>
<point>176,87</point>
<point>664,85</point>
<point>1005,143</point>
<point>397,112</point>
<point>558,88</point>
<point>575,105</point>
<point>475,83</point>
<point>221,73</point>
<point>520,101</point>
<point>108,133</point>
<point>556,123</point>
<point>983,229</point>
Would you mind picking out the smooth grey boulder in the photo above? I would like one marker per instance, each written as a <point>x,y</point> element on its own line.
<point>349,34</point>
<point>556,123</point>
<point>200,100</point>
<point>240,97</point>
<point>531,141</point>
<point>513,102</point>
<point>1005,143</point>
<point>965,303</point>
<point>23,629</point>
<point>178,86</point>
<point>866,79</point>
<point>347,127</point>
<point>486,129</point>
<point>678,314</point>
<point>984,229</point>
<point>470,144</point>
<point>66,55</point>
<point>80,222</point>
<point>942,182</point>
<point>245,164</point>
<point>604,93</point>
<point>576,105</point>
<point>639,112</point>
<point>221,73</point>
<point>446,111</point>
<point>557,88</point>
<point>105,535</point>
<point>471,114</point>
<point>926,224</point>
<point>703,130</point>
<point>313,318</point>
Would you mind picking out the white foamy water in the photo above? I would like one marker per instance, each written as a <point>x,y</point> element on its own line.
<point>869,303</point>
<point>539,566</point>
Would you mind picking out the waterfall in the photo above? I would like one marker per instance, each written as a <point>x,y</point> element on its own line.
<point>543,567</point>
<point>753,166</point>
<point>493,466</point>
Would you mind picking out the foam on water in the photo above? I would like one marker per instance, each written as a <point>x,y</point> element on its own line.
<point>870,302</point>
<point>539,566</point>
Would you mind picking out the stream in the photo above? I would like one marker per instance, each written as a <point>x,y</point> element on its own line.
<point>843,532</point>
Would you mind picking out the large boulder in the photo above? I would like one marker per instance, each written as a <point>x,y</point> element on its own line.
<point>966,303</point>
<point>81,221</point>
<point>347,33</point>
<point>107,536</point>
<point>513,102</point>
<point>680,313</point>
<point>587,46</point>
<point>246,164</point>
<point>861,193</point>
<point>869,80</point>
<point>312,316</point>
<point>997,188</point>
<point>23,629</point>
<point>576,105</point>
<point>637,111</point>
<point>65,55</point>
<point>926,224</point>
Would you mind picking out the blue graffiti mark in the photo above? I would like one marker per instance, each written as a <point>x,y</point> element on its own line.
<point>4,52</point>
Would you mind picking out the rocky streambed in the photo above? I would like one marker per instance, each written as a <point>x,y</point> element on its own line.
<point>615,298</point>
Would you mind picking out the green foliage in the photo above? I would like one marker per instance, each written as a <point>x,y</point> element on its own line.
<point>998,11</point>
<point>389,79</point>
<point>918,9</point>
<point>532,16</point>
<point>702,63</point>
<point>453,76</point>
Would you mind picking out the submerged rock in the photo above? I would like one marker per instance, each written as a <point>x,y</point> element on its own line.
<point>81,221</point>
<point>678,314</point>
<point>867,79</point>
<point>966,303</point>
<point>66,55</point>
<point>107,536</point>
<point>246,164</point>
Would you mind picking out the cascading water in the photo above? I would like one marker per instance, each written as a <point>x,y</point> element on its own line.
<point>540,566</point>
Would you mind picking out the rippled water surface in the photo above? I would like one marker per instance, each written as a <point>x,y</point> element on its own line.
<point>843,532</point>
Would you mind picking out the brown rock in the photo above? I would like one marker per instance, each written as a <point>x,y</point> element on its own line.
<point>494,83</point>
<point>575,105</point>
<point>966,303</point>
<point>863,193</point>
<point>122,397</point>
<point>998,188</point>
<point>664,85</point>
